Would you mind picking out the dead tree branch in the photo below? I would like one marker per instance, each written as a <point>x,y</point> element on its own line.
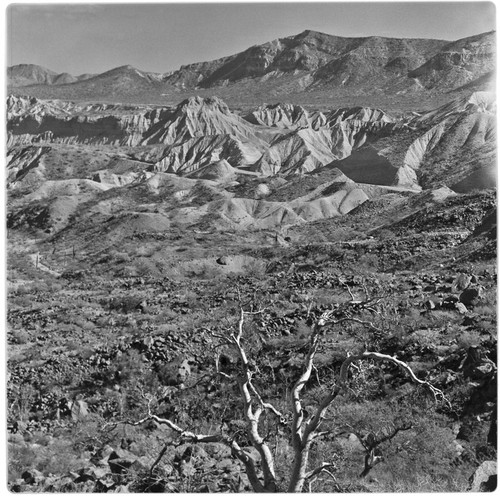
<point>371,443</point>
<point>380,357</point>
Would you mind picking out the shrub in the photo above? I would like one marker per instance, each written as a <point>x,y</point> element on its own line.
<point>466,339</point>
<point>20,337</point>
<point>49,456</point>
<point>386,235</point>
<point>368,262</point>
<point>146,267</point>
<point>120,257</point>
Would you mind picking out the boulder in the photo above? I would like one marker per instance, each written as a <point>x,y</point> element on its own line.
<point>470,296</point>
<point>142,464</point>
<point>79,410</point>
<point>102,455</point>
<point>469,320</point>
<point>354,442</point>
<point>122,489</point>
<point>33,476</point>
<point>469,430</point>
<point>184,371</point>
<point>429,305</point>
<point>461,282</point>
<point>103,485</point>
<point>143,307</point>
<point>476,365</point>
<point>449,302</point>
<point>61,484</point>
<point>121,460</point>
<point>461,308</point>
<point>19,427</point>
<point>17,486</point>
<point>484,478</point>
<point>90,473</point>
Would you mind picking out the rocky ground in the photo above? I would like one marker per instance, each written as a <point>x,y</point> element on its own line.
<point>84,345</point>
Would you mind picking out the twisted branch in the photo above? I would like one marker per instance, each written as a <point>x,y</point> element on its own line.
<point>344,371</point>
<point>330,466</point>
<point>191,437</point>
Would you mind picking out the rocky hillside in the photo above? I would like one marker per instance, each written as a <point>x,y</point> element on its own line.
<point>459,63</point>
<point>316,54</point>
<point>308,63</point>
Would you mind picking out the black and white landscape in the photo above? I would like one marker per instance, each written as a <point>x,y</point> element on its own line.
<point>273,271</point>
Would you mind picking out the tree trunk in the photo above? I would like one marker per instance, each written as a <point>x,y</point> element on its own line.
<point>299,470</point>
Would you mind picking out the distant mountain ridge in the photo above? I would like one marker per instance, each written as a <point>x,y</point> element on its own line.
<point>30,74</point>
<point>309,61</point>
<point>312,52</point>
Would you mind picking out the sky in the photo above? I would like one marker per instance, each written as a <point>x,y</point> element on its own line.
<point>92,38</point>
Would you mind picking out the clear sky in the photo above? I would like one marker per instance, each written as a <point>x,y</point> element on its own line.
<point>92,38</point>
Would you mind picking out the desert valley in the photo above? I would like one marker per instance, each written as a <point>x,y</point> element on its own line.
<point>274,271</point>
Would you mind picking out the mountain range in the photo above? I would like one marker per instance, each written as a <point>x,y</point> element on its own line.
<point>308,63</point>
<point>241,167</point>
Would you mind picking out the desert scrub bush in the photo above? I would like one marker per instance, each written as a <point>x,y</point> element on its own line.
<point>166,316</point>
<point>386,235</point>
<point>83,323</point>
<point>20,399</point>
<point>254,267</point>
<point>21,301</point>
<point>146,251</point>
<point>125,304</point>
<point>146,267</point>
<point>443,318</point>
<point>22,289</point>
<point>203,271</point>
<point>426,446</point>
<point>19,337</point>
<point>486,310</point>
<point>47,455</point>
<point>120,257</point>
<point>427,464</point>
<point>368,263</point>
<point>35,286</point>
<point>345,234</point>
<point>126,271</point>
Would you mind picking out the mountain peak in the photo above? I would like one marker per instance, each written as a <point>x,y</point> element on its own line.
<point>126,68</point>
<point>197,102</point>
<point>310,33</point>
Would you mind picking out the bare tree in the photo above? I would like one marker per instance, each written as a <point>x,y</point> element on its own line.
<point>372,441</point>
<point>305,426</point>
